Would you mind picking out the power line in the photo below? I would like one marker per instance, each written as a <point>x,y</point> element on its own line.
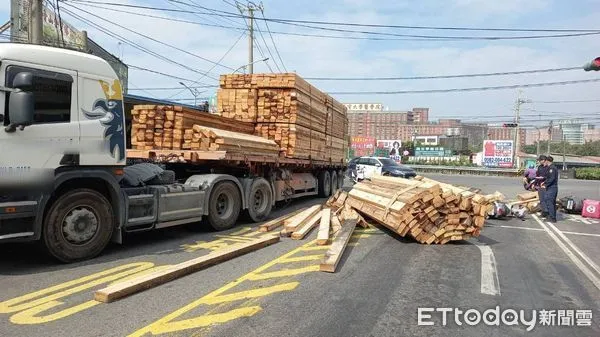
<point>441,76</point>
<point>568,101</point>
<point>178,88</point>
<point>131,43</point>
<point>516,86</point>
<point>220,60</point>
<point>158,41</point>
<point>267,46</point>
<point>300,23</point>
<point>272,40</point>
<point>333,23</point>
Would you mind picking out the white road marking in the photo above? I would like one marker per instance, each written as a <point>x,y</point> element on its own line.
<point>577,233</point>
<point>516,227</point>
<point>584,269</point>
<point>575,248</point>
<point>490,284</point>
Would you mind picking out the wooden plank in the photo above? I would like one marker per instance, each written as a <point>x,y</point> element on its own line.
<point>527,196</point>
<point>272,224</point>
<point>334,253</point>
<point>300,233</point>
<point>126,288</point>
<point>293,223</point>
<point>323,235</point>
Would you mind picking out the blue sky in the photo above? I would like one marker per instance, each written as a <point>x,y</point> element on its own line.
<point>319,57</point>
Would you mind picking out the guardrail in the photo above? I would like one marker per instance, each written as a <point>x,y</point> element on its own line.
<point>465,170</point>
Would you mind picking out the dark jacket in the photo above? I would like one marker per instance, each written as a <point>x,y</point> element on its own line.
<point>551,176</point>
<point>540,174</point>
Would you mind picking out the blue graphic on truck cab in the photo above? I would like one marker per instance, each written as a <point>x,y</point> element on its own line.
<point>109,112</point>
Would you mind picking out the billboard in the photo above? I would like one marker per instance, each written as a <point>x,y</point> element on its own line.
<point>498,153</point>
<point>363,146</point>
<point>55,32</point>
<point>392,147</point>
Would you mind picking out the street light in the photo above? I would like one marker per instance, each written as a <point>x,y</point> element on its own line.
<point>194,92</point>
<point>246,65</point>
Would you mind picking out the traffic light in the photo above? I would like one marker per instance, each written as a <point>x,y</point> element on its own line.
<point>592,66</point>
<point>510,125</point>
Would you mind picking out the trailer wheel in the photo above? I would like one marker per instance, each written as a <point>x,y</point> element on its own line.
<point>224,206</point>
<point>324,184</point>
<point>334,181</point>
<point>260,200</point>
<point>78,226</point>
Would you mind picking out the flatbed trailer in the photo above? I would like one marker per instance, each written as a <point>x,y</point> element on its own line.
<point>64,118</point>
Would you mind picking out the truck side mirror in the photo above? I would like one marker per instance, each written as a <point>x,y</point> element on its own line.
<point>21,102</point>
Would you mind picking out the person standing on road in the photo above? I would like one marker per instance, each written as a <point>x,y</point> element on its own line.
<point>540,176</point>
<point>550,185</point>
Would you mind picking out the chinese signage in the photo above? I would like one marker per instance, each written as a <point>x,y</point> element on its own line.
<point>55,32</point>
<point>498,153</point>
<point>364,106</point>
<point>432,151</point>
<point>363,143</point>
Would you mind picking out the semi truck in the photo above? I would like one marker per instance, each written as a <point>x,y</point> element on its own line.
<point>65,177</point>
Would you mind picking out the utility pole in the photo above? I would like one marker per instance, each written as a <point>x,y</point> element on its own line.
<point>549,138</point>
<point>35,26</point>
<point>251,7</point>
<point>517,137</point>
<point>537,152</point>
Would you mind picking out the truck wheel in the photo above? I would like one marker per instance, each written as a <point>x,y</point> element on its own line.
<point>260,200</point>
<point>334,181</point>
<point>341,178</point>
<point>78,226</point>
<point>324,184</point>
<point>224,206</point>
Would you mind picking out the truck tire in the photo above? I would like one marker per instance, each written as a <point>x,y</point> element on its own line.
<point>341,178</point>
<point>224,206</point>
<point>324,184</point>
<point>78,225</point>
<point>334,181</point>
<point>260,200</point>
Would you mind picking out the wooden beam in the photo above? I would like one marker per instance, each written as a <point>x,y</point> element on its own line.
<point>126,288</point>
<point>295,222</point>
<point>272,224</point>
<point>300,233</point>
<point>323,235</point>
<point>334,254</point>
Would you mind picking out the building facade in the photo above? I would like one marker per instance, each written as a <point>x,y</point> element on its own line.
<point>501,133</point>
<point>573,130</point>
<point>591,135</point>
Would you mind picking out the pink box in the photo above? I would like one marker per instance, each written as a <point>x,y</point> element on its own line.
<point>591,209</point>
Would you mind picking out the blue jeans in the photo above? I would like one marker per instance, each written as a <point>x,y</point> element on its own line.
<point>550,199</point>
<point>541,193</point>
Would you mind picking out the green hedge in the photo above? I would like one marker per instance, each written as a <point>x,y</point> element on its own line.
<point>588,173</point>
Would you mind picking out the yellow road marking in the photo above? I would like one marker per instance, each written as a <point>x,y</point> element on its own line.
<point>283,273</point>
<point>302,258</point>
<point>20,303</point>
<point>166,324</point>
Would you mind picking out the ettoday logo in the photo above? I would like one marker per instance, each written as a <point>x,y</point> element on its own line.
<point>508,317</point>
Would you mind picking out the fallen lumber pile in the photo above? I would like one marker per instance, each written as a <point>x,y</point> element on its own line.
<point>163,127</point>
<point>423,209</point>
<point>305,122</point>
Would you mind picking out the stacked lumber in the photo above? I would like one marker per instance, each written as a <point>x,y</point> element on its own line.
<point>211,139</point>
<point>423,209</point>
<point>163,127</point>
<point>305,122</point>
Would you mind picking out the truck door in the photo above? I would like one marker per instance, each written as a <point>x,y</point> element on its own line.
<point>53,137</point>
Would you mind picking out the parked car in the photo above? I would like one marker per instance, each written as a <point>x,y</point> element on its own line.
<point>367,166</point>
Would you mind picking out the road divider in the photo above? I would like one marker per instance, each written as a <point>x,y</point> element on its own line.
<point>490,282</point>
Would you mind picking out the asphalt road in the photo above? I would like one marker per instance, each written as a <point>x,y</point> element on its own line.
<point>379,287</point>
